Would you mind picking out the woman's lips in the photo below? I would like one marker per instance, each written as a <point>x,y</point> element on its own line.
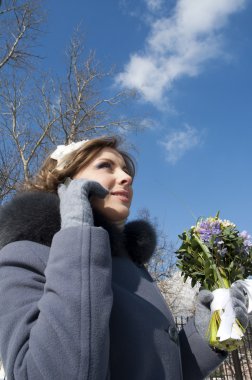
<point>122,195</point>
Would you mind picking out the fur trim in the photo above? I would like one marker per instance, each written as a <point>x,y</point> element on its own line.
<point>35,216</point>
<point>30,216</point>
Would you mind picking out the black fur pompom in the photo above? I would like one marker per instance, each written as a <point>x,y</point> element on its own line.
<point>140,240</point>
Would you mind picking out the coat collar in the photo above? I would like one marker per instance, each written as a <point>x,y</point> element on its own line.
<point>35,216</point>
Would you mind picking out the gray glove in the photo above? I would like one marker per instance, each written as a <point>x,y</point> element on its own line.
<point>240,303</point>
<point>203,313</point>
<point>75,207</point>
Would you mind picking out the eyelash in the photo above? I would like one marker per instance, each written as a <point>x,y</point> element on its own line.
<point>107,164</point>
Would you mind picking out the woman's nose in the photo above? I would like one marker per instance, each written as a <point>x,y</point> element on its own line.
<point>125,178</point>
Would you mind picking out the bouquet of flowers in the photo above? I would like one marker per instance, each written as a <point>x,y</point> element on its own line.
<point>215,254</point>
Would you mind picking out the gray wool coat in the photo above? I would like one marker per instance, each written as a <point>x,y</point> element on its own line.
<point>79,304</point>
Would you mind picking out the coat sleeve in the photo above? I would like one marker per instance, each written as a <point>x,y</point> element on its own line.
<point>55,325</point>
<point>198,358</point>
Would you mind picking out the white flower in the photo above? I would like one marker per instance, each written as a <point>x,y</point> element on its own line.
<point>227,223</point>
<point>62,151</point>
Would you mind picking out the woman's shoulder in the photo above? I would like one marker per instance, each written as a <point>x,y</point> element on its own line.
<point>30,216</point>
<point>25,254</point>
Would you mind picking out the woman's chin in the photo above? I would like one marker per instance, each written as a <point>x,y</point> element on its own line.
<point>114,215</point>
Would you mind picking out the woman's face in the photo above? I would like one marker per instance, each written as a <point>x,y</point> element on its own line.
<point>109,169</point>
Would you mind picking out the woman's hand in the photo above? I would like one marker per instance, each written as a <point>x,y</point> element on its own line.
<point>203,313</point>
<point>240,303</point>
<point>75,207</point>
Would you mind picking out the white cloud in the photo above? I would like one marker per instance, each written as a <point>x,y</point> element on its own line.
<point>179,142</point>
<point>148,123</point>
<point>178,46</point>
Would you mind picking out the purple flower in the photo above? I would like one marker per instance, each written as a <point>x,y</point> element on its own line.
<point>246,240</point>
<point>207,228</point>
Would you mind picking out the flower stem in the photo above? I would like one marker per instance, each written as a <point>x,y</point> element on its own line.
<point>221,281</point>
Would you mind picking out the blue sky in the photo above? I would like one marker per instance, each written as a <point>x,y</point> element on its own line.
<point>190,60</point>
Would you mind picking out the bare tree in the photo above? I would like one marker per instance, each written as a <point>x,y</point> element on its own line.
<point>8,171</point>
<point>81,109</point>
<point>19,27</point>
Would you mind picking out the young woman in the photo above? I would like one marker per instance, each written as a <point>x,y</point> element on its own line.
<point>76,299</point>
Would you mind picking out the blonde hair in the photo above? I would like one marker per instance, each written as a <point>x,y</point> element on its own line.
<point>49,177</point>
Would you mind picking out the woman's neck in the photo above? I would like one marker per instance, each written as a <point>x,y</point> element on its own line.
<point>119,224</point>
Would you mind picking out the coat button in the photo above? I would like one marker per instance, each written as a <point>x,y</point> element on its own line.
<point>173,333</point>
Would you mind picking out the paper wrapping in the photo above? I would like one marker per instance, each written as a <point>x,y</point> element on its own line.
<point>222,302</point>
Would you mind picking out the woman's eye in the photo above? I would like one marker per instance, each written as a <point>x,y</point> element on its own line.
<point>104,165</point>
